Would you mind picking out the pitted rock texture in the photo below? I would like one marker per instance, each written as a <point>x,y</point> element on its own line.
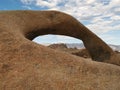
<point>25,65</point>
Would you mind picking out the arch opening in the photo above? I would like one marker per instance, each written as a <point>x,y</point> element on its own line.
<point>54,39</point>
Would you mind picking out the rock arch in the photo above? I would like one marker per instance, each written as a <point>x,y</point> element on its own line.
<point>30,24</point>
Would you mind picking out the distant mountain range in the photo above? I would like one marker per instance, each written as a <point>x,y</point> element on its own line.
<point>75,45</point>
<point>115,47</point>
<point>81,45</point>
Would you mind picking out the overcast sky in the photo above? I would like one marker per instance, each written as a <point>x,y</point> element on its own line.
<point>100,16</point>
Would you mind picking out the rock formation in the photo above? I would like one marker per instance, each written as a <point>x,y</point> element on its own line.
<point>25,65</point>
<point>74,51</point>
<point>58,46</point>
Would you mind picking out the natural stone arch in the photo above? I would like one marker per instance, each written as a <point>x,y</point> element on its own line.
<point>53,22</point>
<point>30,24</point>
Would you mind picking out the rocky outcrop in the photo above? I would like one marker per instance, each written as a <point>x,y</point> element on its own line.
<point>60,46</point>
<point>74,51</point>
<point>25,65</point>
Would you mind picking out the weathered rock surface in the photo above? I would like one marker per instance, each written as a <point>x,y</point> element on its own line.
<point>25,65</point>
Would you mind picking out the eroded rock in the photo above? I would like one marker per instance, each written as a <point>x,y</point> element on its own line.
<point>25,65</point>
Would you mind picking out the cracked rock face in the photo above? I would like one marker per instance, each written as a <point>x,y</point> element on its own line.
<point>25,65</point>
